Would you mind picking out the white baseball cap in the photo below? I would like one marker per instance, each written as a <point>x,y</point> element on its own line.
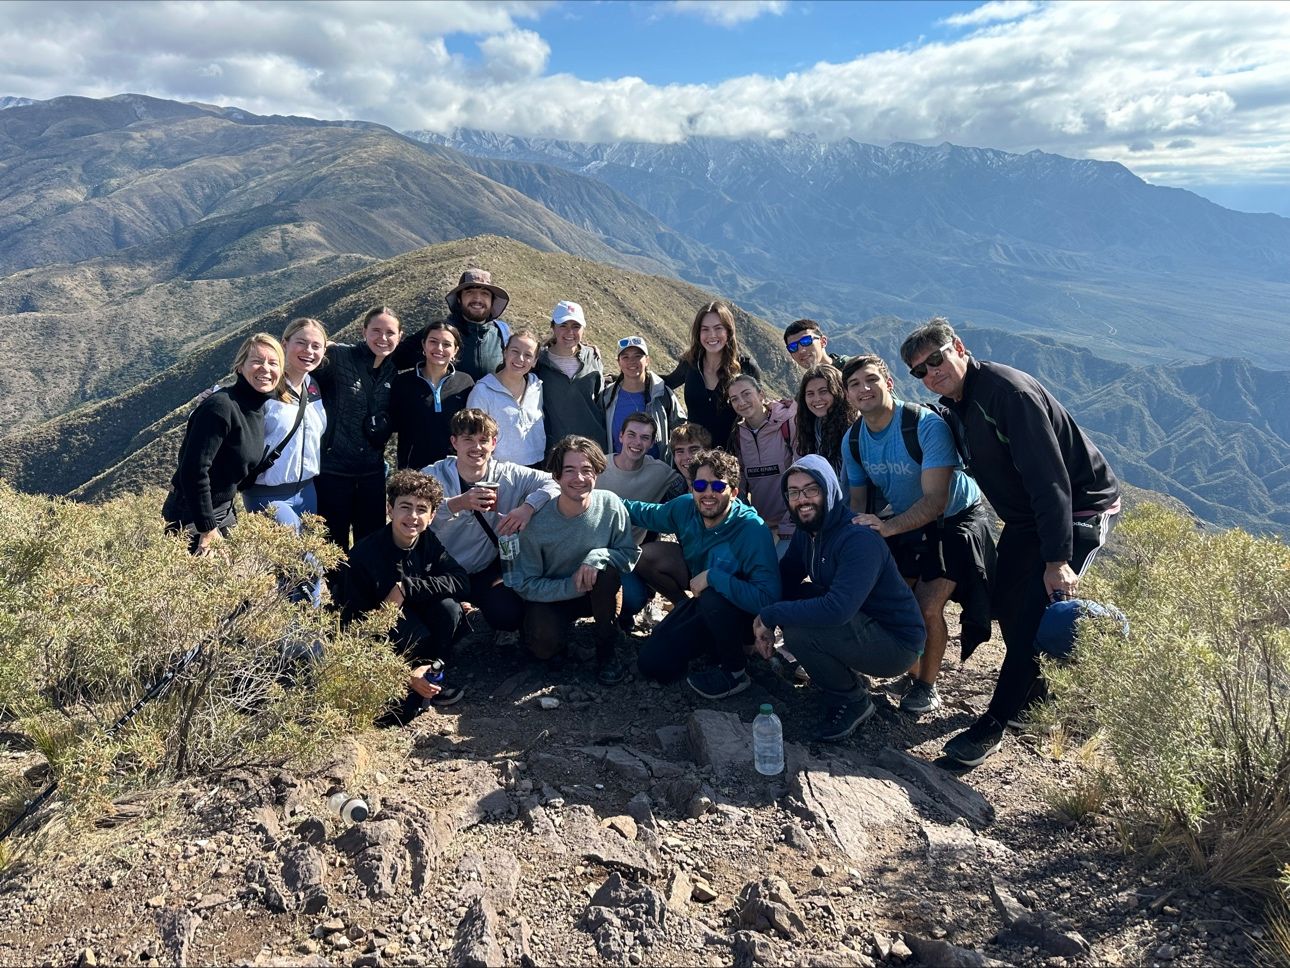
<point>565,311</point>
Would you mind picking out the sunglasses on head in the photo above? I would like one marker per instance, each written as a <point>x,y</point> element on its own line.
<point>798,343</point>
<point>934,358</point>
<point>627,341</point>
<point>701,485</point>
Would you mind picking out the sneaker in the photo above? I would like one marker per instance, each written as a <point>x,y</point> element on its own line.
<point>1037,696</point>
<point>446,696</point>
<point>717,683</point>
<point>841,721</point>
<point>610,672</point>
<point>789,669</point>
<point>921,697</point>
<point>972,746</point>
<point>898,687</point>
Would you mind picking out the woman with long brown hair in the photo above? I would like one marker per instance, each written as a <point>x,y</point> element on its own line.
<point>706,368</point>
<point>823,414</point>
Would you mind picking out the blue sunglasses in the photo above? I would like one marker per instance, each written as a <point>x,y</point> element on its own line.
<point>702,485</point>
<point>806,340</point>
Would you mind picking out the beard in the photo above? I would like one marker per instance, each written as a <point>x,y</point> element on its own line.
<point>814,525</point>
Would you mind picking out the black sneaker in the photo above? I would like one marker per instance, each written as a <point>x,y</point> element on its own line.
<point>972,746</point>
<point>921,697</point>
<point>717,683</point>
<point>898,687</point>
<point>610,672</point>
<point>842,720</point>
<point>447,696</point>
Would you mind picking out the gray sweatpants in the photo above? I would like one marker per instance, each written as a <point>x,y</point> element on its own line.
<point>834,654</point>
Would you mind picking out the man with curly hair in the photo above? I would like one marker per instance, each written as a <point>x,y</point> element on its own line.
<point>404,564</point>
<point>724,556</point>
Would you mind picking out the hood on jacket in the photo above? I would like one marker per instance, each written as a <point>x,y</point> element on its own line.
<point>835,504</point>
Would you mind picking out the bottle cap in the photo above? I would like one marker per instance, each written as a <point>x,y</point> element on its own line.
<point>766,709</point>
<point>358,812</point>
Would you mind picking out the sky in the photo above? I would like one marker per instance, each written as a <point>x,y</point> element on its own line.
<point>1195,95</point>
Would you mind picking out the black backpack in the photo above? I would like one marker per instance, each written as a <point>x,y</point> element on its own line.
<point>909,416</point>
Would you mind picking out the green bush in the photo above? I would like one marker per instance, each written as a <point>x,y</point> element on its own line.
<point>96,604</point>
<point>1192,713</point>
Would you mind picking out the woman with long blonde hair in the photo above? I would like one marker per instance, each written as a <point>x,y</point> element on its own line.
<point>707,367</point>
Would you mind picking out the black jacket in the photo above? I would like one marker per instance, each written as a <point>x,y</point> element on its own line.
<point>427,572</point>
<point>223,443</point>
<point>421,428</point>
<point>708,408</point>
<point>1032,462</point>
<point>352,393</point>
<point>572,404</point>
<point>481,347</point>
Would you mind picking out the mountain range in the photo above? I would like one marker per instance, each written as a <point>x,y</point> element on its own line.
<point>140,239</point>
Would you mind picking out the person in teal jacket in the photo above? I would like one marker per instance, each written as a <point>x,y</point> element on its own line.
<point>725,556</point>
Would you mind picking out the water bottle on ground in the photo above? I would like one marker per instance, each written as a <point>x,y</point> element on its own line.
<point>350,809</point>
<point>508,549</point>
<point>768,742</point>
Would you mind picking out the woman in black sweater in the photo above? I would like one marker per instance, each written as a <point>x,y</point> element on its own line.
<point>707,367</point>
<point>423,400</point>
<point>223,447</point>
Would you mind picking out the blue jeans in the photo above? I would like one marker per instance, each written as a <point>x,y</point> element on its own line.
<point>287,502</point>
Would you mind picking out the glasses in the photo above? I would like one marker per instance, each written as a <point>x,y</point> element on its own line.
<point>701,485</point>
<point>934,358</point>
<point>810,492</point>
<point>627,341</point>
<point>806,340</point>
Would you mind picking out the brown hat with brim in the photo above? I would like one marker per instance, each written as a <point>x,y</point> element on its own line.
<point>478,279</point>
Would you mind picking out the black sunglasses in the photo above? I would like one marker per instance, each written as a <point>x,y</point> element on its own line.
<point>701,485</point>
<point>806,340</point>
<point>934,358</point>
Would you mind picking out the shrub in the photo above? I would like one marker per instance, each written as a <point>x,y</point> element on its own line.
<point>1192,713</point>
<point>96,604</point>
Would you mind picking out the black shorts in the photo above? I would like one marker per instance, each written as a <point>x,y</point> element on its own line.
<point>956,548</point>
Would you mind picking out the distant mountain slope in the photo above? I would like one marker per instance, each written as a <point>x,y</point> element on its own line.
<point>1214,435</point>
<point>132,226</point>
<point>130,441</point>
<point>1032,242</point>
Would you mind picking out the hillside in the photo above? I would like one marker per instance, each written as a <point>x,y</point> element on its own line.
<point>1028,243</point>
<point>130,441</point>
<point>132,228</point>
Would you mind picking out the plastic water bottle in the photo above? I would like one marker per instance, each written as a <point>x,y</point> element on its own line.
<point>508,549</point>
<point>768,742</point>
<point>350,809</point>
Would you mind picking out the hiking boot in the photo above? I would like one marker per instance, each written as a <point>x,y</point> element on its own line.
<point>921,697</point>
<point>972,746</point>
<point>898,687</point>
<point>717,683</point>
<point>841,720</point>
<point>610,672</point>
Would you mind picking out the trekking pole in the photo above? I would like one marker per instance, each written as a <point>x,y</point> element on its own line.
<point>153,692</point>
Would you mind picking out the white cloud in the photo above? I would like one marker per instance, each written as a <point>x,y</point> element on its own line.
<point>1182,92</point>
<point>726,13</point>
<point>996,11</point>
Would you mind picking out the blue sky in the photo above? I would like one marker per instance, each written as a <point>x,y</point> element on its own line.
<point>1193,94</point>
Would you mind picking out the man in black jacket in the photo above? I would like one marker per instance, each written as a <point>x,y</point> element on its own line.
<point>406,565</point>
<point>475,307</point>
<point>1049,484</point>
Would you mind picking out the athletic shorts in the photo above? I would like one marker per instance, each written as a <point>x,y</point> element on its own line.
<point>956,548</point>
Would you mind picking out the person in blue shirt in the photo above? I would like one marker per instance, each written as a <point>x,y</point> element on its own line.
<point>937,530</point>
<point>724,555</point>
<point>845,610</point>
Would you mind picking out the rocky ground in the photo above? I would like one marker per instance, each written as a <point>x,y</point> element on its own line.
<point>620,826</point>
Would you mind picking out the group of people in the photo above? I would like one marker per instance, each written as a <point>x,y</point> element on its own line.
<point>825,533</point>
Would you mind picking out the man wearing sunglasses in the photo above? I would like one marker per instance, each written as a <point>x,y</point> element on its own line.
<point>724,556</point>
<point>854,616</point>
<point>1049,484</point>
<point>808,346</point>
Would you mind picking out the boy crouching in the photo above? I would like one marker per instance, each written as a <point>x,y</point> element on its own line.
<point>406,564</point>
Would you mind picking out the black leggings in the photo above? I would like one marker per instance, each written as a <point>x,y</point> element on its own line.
<point>356,502</point>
